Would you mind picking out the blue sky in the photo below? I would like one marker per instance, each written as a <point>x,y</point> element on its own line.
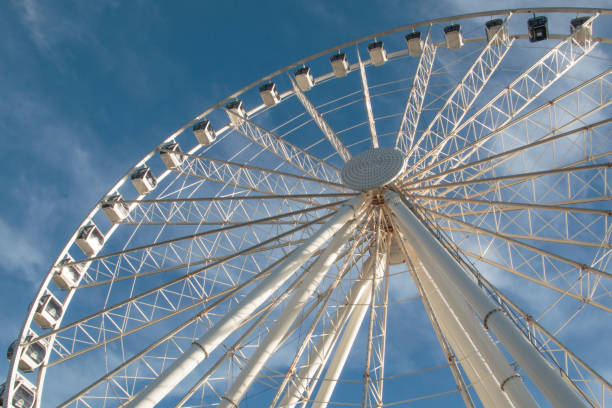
<point>89,87</point>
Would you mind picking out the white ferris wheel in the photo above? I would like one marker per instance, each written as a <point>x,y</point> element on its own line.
<point>420,217</point>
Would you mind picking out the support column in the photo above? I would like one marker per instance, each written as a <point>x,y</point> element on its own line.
<point>447,273</point>
<point>508,388</point>
<point>480,373</point>
<point>344,346</point>
<point>290,312</point>
<point>472,361</point>
<point>201,348</point>
<point>318,357</point>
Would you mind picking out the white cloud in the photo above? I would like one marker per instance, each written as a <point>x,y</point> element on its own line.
<point>57,171</point>
<point>49,24</point>
<point>327,12</point>
<point>33,18</point>
<point>19,253</point>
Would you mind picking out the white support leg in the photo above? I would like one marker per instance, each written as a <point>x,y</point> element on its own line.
<point>318,357</point>
<point>472,361</point>
<point>290,312</point>
<point>480,373</point>
<point>201,348</point>
<point>507,390</point>
<point>447,273</point>
<point>344,347</point>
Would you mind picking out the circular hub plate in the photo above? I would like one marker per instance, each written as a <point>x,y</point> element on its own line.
<point>373,168</point>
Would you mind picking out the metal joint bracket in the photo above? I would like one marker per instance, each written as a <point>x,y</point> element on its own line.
<point>503,383</point>
<point>392,197</point>
<point>201,348</point>
<point>229,401</point>
<point>486,318</point>
<point>356,207</point>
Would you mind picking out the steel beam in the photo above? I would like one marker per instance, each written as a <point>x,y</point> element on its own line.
<point>515,97</point>
<point>367,101</point>
<point>459,102</point>
<point>291,154</point>
<point>451,335</point>
<point>290,312</point>
<point>412,111</point>
<point>498,378</point>
<point>345,345</point>
<point>481,373</point>
<point>446,270</point>
<point>201,348</point>
<point>320,354</point>
<point>321,123</point>
<point>572,102</point>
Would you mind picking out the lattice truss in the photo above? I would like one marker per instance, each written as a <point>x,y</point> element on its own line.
<point>507,163</point>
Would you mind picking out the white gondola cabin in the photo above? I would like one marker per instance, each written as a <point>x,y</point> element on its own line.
<point>414,43</point>
<point>377,52</point>
<point>269,94</point>
<point>304,78</point>
<point>583,33</point>
<point>204,132</point>
<point>453,36</point>
<point>48,311</point>
<point>67,274</point>
<point>23,394</point>
<point>172,155</point>
<point>537,27</point>
<point>236,112</point>
<point>339,64</point>
<point>493,27</point>
<point>115,208</point>
<point>143,180</point>
<point>32,356</point>
<point>90,240</point>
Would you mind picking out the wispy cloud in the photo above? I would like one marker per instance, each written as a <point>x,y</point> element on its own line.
<point>42,195</point>
<point>49,25</point>
<point>326,12</point>
<point>19,253</point>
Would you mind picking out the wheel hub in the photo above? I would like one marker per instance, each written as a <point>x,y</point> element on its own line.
<point>374,168</point>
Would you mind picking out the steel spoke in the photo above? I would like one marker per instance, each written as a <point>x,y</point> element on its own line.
<point>367,101</point>
<point>287,152</point>
<point>321,123</point>
<point>508,103</point>
<point>412,112</point>
<point>95,323</point>
<point>582,101</point>
<point>447,120</point>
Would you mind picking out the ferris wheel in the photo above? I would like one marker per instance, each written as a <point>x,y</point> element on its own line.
<point>420,217</point>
